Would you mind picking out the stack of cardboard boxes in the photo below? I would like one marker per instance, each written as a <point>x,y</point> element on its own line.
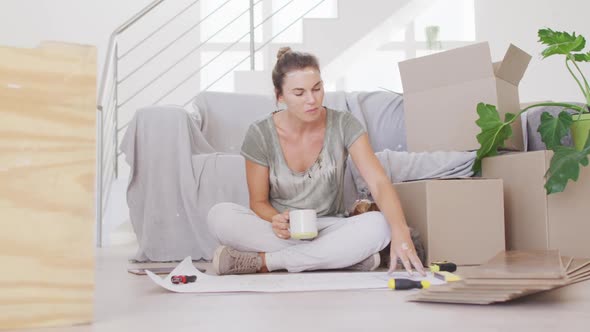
<point>468,221</point>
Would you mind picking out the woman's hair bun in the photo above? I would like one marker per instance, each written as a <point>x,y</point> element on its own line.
<point>282,51</point>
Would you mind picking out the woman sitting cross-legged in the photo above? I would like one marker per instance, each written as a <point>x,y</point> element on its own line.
<point>295,159</point>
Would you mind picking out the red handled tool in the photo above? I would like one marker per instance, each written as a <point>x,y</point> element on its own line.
<point>182,279</point>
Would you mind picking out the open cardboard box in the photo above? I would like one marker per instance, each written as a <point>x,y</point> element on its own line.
<point>535,220</point>
<point>441,93</point>
<point>459,220</point>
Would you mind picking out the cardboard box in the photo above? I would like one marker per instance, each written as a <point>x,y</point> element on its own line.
<point>460,220</point>
<point>441,93</point>
<point>535,220</point>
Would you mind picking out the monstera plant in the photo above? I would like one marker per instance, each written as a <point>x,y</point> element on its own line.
<point>566,161</point>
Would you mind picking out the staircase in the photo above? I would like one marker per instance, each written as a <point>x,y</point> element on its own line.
<point>323,37</point>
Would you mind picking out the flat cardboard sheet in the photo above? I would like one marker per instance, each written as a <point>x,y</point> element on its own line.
<point>578,264</point>
<point>521,264</point>
<point>507,276</point>
<point>580,272</point>
<point>567,262</point>
<point>271,282</point>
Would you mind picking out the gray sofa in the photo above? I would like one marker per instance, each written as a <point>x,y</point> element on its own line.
<point>185,161</point>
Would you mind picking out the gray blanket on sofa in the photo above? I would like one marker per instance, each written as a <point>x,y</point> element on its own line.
<point>402,166</point>
<point>176,176</point>
<point>165,206</point>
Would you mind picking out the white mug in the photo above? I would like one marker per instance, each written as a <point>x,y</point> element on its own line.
<point>303,224</point>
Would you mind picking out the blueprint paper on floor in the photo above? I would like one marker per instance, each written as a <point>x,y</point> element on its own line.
<point>287,282</point>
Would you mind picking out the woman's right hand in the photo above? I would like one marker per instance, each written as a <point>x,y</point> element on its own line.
<point>280,225</point>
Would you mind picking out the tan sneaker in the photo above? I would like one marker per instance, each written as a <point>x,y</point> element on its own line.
<point>227,260</point>
<point>368,264</point>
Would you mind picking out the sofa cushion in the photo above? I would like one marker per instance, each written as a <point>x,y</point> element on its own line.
<point>225,117</point>
<point>383,115</point>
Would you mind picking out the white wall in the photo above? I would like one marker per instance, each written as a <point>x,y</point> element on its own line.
<point>24,23</point>
<point>372,63</point>
<point>502,22</point>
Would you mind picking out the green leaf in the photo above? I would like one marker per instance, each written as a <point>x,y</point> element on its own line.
<point>564,166</point>
<point>582,57</point>
<point>560,42</point>
<point>493,132</point>
<point>552,129</point>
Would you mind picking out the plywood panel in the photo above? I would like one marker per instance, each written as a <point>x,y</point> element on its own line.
<point>47,170</point>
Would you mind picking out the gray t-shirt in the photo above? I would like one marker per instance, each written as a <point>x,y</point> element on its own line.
<point>321,186</point>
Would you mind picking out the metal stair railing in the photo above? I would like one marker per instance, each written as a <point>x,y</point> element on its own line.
<point>107,110</point>
<point>191,75</point>
<point>108,105</point>
<point>193,50</point>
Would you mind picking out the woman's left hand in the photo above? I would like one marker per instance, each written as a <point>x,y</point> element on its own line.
<point>403,247</point>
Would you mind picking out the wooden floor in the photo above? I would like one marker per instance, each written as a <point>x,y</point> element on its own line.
<point>126,302</point>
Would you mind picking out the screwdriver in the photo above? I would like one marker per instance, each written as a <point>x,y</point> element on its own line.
<point>407,284</point>
<point>443,266</point>
<point>183,279</point>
